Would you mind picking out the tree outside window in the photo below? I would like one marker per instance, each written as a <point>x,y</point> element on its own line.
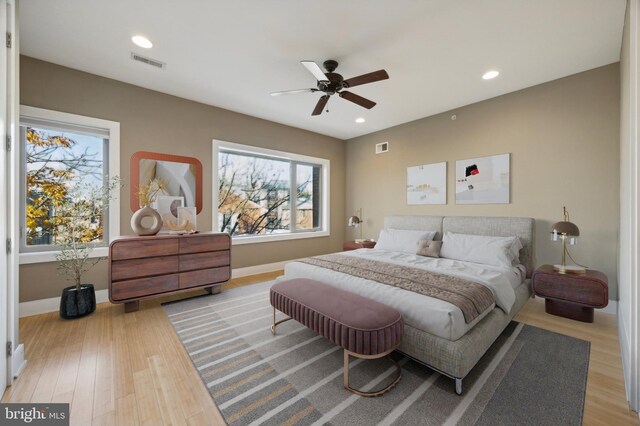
<point>255,195</point>
<point>56,164</point>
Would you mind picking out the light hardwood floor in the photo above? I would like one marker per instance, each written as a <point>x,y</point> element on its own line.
<point>131,369</point>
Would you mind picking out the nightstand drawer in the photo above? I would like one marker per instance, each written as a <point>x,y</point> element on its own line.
<point>572,289</point>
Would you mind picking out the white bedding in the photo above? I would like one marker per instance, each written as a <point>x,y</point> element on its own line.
<point>434,316</point>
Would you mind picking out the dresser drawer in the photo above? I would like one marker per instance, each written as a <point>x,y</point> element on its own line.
<point>190,262</point>
<point>151,247</point>
<point>123,290</point>
<point>138,268</point>
<point>205,243</point>
<point>576,290</point>
<point>204,277</point>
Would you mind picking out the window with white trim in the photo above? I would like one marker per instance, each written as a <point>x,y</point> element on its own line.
<point>264,195</point>
<point>62,152</point>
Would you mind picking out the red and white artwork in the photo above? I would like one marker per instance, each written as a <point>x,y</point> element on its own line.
<point>483,180</point>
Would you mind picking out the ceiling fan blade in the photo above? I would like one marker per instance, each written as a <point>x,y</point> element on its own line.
<point>315,70</point>
<point>293,92</point>
<point>363,102</point>
<point>366,78</point>
<point>320,105</point>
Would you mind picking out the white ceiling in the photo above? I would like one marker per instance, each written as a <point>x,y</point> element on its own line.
<point>232,54</point>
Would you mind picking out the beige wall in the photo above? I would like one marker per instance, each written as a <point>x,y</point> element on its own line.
<point>563,137</point>
<point>153,121</point>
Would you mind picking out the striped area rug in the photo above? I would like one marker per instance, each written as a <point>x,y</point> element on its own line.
<point>529,376</point>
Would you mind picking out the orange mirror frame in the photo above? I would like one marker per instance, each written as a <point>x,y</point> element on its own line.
<point>154,156</point>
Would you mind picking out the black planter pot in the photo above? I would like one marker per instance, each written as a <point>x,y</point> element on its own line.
<point>77,304</point>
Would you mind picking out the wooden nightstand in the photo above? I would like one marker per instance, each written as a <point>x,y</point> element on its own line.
<point>571,296</point>
<point>352,245</point>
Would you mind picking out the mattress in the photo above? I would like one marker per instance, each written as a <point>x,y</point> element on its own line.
<point>424,313</point>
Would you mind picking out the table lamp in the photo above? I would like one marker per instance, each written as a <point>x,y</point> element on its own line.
<point>355,222</point>
<point>568,233</point>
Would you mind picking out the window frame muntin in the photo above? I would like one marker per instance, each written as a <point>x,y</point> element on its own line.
<point>294,210</point>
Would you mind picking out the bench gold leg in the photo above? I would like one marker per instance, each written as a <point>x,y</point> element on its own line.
<point>372,393</point>
<point>275,323</point>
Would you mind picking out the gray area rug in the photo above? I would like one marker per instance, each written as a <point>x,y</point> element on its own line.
<point>529,376</point>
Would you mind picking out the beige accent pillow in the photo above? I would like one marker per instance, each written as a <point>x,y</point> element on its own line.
<point>429,248</point>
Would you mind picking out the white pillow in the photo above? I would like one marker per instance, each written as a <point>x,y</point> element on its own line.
<point>402,240</point>
<point>516,246</point>
<point>494,251</point>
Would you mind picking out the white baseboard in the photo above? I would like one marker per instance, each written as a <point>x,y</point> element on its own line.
<point>43,306</point>
<point>625,352</point>
<point>611,308</point>
<point>18,363</point>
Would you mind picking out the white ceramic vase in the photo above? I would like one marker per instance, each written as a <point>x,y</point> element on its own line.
<point>144,212</point>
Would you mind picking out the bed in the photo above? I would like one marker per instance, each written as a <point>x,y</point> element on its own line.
<point>436,333</point>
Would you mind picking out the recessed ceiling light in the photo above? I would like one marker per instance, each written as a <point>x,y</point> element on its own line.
<point>360,120</point>
<point>142,41</point>
<point>490,74</point>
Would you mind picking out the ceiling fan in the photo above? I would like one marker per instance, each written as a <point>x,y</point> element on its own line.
<point>331,83</point>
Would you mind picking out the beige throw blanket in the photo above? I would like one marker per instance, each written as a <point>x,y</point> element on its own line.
<point>472,298</point>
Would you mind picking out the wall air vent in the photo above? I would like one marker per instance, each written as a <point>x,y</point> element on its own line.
<point>148,61</point>
<point>382,147</point>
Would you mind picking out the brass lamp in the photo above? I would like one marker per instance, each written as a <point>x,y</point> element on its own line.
<point>568,233</point>
<point>355,222</point>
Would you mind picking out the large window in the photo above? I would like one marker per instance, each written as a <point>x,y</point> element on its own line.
<point>63,157</point>
<point>265,195</point>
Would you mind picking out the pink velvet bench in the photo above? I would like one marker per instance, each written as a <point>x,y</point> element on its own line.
<point>362,327</point>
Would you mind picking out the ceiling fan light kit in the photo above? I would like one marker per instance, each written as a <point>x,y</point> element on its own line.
<point>331,83</point>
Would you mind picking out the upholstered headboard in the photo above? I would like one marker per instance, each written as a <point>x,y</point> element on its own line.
<point>522,227</point>
<point>426,223</point>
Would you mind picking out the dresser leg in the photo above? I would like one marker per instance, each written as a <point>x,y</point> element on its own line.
<point>131,306</point>
<point>568,310</point>
<point>214,290</point>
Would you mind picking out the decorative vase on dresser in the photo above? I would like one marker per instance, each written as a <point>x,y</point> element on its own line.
<point>144,267</point>
<point>146,212</point>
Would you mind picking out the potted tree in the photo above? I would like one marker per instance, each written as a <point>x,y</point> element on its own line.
<point>78,223</point>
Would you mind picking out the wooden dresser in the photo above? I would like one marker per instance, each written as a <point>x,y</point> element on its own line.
<point>143,267</point>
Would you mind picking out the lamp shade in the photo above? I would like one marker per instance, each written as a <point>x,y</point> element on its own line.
<point>568,233</point>
<point>354,221</point>
<point>566,228</point>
